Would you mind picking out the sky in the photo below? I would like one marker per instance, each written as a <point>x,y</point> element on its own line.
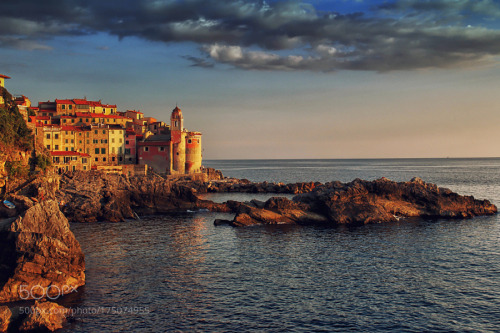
<point>274,79</point>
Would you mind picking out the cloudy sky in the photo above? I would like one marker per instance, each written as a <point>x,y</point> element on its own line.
<point>274,79</point>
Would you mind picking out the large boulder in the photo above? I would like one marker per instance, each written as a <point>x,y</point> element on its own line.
<point>45,316</point>
<point>39,256</point>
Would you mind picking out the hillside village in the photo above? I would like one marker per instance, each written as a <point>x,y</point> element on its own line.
<point>90,135</point>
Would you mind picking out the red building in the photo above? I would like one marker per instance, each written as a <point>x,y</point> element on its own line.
<point>130,156</point>
<point>156,153</point>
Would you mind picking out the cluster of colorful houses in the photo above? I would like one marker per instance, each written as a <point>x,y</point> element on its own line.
<point>85,135</point>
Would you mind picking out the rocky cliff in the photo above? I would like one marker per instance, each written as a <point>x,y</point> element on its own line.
<point>95,196</point>
<point>39,255</point>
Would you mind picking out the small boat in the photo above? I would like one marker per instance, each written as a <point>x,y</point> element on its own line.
<point>34,199</point>
<point>9,204</point>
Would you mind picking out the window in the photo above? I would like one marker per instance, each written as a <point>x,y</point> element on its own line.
<point>103,150</point>
<point>87,120</point>
<point>66,140</point>
<point>113,140</point>
<point>48,147</point>
<point>80,141</point>
<point>121,140</point>
<point>127,151</point>
<point>64,121</point>
<point>97,151</point>
<point>146,148</point>
<point>112,132</point>
<point>189,140</point>
<point>66,149</point>
<point>120,150</point>
<point>112,150</point>
<point>198,140</point>
<point>162,148</point>
<point>72,141</point>
<point>104,159</point>
<point>63,107</point>
<point>72,121</point>
<point>88,134</point>
<point>97,159</point>
<point>56,136</point>
<point>65,132</point>
<point>113,158</point>
<point>56,147</point>
<point>120,158</point>
<point>88,142</point>
<point>95,131</point>
<point>84,168</point>
<point>72,148</point>
<point>70,106</point>
<point>95,141</point>
<point>48,135</point>
<point>103,131</point>
<point>55,159</point>
<point>88,150</point>
<point>126,142</point>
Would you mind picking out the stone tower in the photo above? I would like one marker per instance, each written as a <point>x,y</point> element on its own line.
<point>178,137</point>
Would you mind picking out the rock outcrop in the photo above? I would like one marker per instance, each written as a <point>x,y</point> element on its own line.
<point>45,316</point>
<point>39,255</point>
<point>95,196</point>
<point>361,202</point>
<point>5,318</point>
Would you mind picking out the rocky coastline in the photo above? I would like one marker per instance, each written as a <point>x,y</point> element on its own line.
<point>93,196</point>
<point>40,254</point>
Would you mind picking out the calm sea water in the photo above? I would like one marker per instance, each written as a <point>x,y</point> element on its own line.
<point>181,273</point>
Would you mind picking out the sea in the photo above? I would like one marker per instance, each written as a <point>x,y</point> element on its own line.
<point>180,273</point>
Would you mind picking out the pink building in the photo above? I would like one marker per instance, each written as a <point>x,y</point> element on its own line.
<point>156,153</point>
<point>130,156</point>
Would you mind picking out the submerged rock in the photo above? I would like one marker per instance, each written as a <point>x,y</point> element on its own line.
<point>362,202</point>
<point>39,256</point>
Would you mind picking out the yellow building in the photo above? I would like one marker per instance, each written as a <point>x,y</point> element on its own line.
<point>2,84</point>
<point>70,161</point>
<point>50,136</point>
<point>116,143</point>
<point>2,80</point>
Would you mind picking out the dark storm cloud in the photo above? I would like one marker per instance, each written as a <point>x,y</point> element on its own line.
<point>284,35</point>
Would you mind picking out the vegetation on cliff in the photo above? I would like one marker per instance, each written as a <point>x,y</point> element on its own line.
<point>13,129</point>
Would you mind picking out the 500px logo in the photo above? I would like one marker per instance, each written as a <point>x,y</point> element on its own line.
<point>38,292</point>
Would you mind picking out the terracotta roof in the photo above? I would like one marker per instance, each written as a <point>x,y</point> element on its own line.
<point>176,112</point>
<point>64,101</point>
<point>98,115</point>
<point>68,153</point>
<point>81,101</point>
<point>4,76</point>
